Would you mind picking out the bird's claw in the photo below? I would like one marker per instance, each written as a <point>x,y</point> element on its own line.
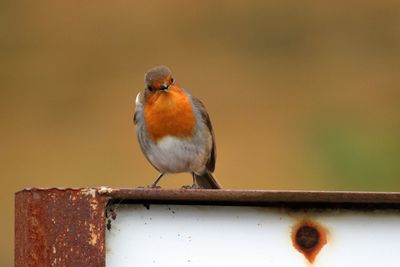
<point>153,186</point>
<point>193,186</point>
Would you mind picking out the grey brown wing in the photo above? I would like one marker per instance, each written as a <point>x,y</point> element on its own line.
<point>210,165</point>
<point>138,120</point>
<point>138,108</point>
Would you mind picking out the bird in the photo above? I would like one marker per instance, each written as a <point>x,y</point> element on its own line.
<point>174,130</point>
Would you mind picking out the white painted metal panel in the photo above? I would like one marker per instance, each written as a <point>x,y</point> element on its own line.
<point>190,235</point>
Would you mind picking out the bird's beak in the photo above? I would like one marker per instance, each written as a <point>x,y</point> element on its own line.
<point>164,87</point>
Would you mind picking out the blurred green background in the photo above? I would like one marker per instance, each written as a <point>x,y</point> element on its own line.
<point>302,95</point>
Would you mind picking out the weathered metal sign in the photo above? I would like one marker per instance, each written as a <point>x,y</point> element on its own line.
<point>188,235</point>
<point>154,227</point>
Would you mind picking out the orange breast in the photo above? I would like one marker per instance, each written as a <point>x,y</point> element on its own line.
<point>169,113</point>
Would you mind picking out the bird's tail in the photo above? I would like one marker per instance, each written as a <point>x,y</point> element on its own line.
<point>207,181</point>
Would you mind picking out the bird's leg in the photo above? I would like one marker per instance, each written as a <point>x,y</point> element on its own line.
<point>194,185</point>
<point>154,185</point>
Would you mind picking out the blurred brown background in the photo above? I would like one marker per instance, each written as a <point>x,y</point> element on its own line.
<point>302,95</point>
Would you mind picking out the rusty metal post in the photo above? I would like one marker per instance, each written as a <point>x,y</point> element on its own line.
<point>59,227</point>
<point>67,227</point>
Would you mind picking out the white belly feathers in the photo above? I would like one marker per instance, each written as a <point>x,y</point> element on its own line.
<point>173,155</point>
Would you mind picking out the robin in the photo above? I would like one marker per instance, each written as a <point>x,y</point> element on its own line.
<point>174,130</point>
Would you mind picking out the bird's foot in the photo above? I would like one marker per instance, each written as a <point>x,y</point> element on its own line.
<point>193,186</point>
<point>153,186</point>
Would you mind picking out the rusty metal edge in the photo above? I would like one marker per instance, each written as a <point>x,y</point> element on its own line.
<point>239,196</point>
<point>256,197</point>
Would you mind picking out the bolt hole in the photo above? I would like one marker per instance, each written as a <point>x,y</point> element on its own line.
<point>307,237</point>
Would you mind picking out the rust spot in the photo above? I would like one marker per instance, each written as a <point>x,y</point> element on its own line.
<point>59,227</point>
<point>110,213</point>
<point>308,237</point>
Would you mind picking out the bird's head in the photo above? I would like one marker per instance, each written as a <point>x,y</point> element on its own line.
<point>158,79</point>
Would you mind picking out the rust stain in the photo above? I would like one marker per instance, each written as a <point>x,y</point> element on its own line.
<point>308,237</point>
<point>110,214</point>
<point>60,227</point>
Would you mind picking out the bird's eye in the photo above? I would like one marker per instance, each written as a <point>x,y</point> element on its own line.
<point>172,80</point>
<point>149,87</point>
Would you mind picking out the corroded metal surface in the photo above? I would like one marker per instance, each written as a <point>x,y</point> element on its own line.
<point>258,197</point>
<point>309,237</point>
<point>59,227</point>
<point>66,227</point>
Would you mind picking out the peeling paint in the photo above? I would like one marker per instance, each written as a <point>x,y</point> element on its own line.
<point>89,192</point>
<point>93,204</point>
<point>105,190</point>
<point>93,235</point>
